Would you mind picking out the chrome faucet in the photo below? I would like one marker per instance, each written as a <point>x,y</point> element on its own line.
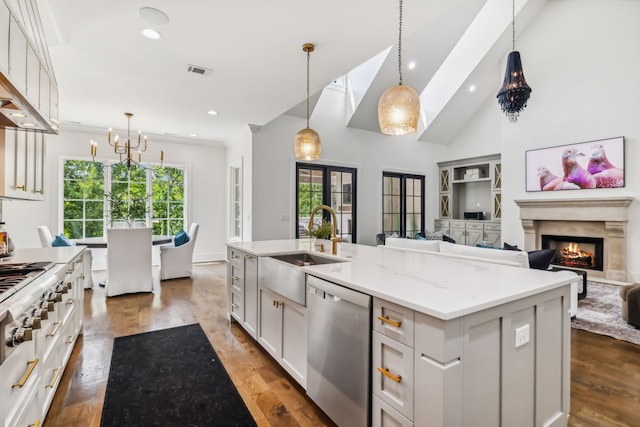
<point>334,230</point>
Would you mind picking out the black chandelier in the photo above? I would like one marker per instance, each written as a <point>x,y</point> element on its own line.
<point>515,91</point>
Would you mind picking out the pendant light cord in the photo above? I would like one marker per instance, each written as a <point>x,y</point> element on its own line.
<point>400,45</point>
<point>308,56</point>
<point>513,25</point>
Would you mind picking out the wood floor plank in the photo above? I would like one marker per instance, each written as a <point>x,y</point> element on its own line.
<point>605,376</point>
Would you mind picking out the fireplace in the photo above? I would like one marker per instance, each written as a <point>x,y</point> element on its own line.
<point>575,252</point>
<point>583,220</point>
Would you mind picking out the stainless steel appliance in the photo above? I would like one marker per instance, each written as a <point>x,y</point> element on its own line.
<point>338,349</point>
<point>474,215</point>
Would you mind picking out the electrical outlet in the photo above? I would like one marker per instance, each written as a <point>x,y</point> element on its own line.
<point>522,335</point>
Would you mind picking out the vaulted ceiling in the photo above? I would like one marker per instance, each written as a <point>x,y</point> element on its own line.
<point>104,66</point>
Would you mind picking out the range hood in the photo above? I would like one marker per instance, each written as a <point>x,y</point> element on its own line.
<point>28,90</point>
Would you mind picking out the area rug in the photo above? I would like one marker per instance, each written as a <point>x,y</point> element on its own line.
<point>170,377</point>
<point>600,313</point>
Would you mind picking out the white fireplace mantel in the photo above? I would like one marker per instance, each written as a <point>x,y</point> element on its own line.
<point>602,217</point>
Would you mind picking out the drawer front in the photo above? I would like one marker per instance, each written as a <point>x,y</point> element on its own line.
<point>442,223</point>
<point>394,321</point>
<point>456,224</point>
<point>392,373</point>
<point>234,256</point>
<point>492,227</point>
<point>237,306</point>
<point>236,279</point>
<point>385,416</point>
<point>474,226</point>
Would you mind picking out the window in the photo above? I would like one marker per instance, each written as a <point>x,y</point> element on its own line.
<point>97,195</point>
<point>235,182</point>
<point>326,185</point>
<point>402,204</point>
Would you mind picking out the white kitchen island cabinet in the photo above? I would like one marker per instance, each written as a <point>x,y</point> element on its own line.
<point>282,331</point>
<point>459,342</point>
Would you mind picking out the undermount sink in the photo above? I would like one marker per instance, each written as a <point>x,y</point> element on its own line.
<point>283,273</point>
<point>304,258</point>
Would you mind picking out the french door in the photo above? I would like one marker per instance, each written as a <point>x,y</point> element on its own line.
<point>326,185</point>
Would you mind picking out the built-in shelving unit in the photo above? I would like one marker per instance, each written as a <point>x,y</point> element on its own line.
<point>471,185</point>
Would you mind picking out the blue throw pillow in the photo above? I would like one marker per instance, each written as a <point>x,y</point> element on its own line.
<point>481,245</point>
<point>61,240</point>
<point>181,238</point>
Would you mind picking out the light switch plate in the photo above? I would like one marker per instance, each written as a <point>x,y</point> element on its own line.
<point>522,335</point>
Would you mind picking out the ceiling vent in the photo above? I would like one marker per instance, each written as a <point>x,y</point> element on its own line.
<point>198,70</point>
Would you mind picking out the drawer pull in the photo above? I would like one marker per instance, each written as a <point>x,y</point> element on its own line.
<point>385,371</point>
<point>36,424</point>
<point>234,306</point>
<point>235,278</point>
<point>55,330</point>
<point>30,367</point>
<point>69,339</point>
<point>70,301</point>
<point>393,323</point>
<point>235,256</point>
<point>55,378</point>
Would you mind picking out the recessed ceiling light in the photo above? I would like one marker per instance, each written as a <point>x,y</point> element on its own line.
<point>412,65</point>
<point>212,112</point>
<point>193,134</point>
<point>28,125</point>
<point>153,16</point>
<point>472,88</point>
<point>150,33</point>
<point>19,115</point>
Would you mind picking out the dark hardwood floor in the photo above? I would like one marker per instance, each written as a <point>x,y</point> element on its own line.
<point>605,380</point>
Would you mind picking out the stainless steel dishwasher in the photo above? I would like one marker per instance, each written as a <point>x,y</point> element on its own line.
<point>338,349</point>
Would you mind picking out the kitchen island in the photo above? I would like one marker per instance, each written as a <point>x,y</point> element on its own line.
<point>466,342</point>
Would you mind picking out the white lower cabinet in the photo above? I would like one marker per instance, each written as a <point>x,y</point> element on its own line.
<point>385,416</point>
<point>392,364</point>
<point>282,331</point>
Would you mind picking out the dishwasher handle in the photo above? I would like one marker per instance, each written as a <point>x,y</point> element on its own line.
<point>324,289</point>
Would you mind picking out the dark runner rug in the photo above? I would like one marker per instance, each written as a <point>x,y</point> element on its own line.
<point>170,377</point>
<point>600,313</point>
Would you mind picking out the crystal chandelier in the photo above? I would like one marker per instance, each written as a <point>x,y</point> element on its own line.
<point>127,149</point>
<point>307,141</point>
<point>399,106</point>
<point>515,91</point>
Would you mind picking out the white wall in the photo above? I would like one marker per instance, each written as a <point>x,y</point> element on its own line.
<point>205,190</point>
<point>582,62</point>
<point>370,152</point>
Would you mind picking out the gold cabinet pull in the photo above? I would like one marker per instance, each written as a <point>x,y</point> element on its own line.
<point>235,278</point>
<point>70,301</point>
<point>69,339</point>
<point>393,323</point>
<point>30,367</point>
<point>36,424</point>
<point>55,378</point>
<point>55,330</point>
<point>235,306</point>
<point>385,371</point>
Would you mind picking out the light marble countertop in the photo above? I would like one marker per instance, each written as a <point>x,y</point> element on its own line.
<point>432,283</point>
<point>57,255</point>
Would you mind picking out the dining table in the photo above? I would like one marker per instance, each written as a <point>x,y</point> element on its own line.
<point>101,242</point>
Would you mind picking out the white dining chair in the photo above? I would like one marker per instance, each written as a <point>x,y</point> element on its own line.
<point>129,261</point>
<point>177,261</point>
<point>46,240</point>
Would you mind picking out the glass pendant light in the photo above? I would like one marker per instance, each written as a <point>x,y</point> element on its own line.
<point>515,91</point>
<point>399,106</point>
<point>307,141</point>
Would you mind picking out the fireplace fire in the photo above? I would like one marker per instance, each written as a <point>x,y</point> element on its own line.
<point>575,252</point>
<point>572,256</point>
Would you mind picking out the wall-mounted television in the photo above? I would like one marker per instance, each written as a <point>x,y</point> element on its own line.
<point>584,165</point>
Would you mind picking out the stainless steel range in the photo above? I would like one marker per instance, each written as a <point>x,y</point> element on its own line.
<point>23,307</point>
